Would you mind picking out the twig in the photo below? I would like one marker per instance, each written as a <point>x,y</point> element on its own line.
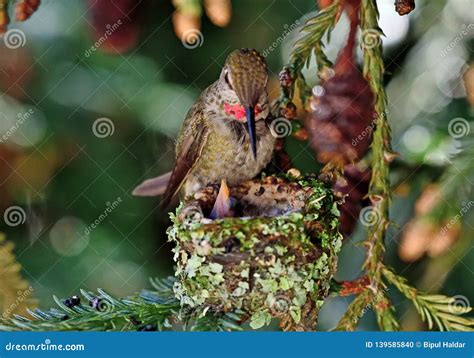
<point>379,189</point>
<point>311,42</point>
<point>442,311</point>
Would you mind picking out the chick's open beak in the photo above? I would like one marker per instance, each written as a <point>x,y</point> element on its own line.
<point>250,114</point>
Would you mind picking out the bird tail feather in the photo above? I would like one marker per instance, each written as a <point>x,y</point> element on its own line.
<point>153,187</point>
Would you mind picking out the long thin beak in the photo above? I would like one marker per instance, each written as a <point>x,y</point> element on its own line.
<point>249,112</point>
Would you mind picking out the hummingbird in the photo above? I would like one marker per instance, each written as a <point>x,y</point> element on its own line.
<point>225,137</point>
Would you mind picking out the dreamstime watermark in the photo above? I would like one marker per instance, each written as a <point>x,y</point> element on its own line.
<point>21,297</point>
<point>110,29</point>
<point>14,216</point>
<point>287,30</point>
<point>371,38</point>
<point>103,127</point>
<point>466,29</point>
<point>369,216</point>
<point>192,38</point>
<point>280,127</point>
<point>102,304</point>
<point>459,304</point>
<point>367,131</point>
<point>14,38</point>
<point>45,346</point>
<point>464,209</point>
<point>110,207</point>
<point>379,297</point>
<point>21,118</point>
<point>458,128</point>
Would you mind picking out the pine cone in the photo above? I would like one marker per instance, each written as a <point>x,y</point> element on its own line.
<point>187,22</point>
<point>424,235</point>
<point>25,8</point>
<point>8,156</point>
<point>404,7</point>
<point>4,19</point>
<point>16,71</point>
<point>343,114</point>
<point>341,122</point>
<point>353,187</point>
<point>115,24</point>
<point>218,11</point>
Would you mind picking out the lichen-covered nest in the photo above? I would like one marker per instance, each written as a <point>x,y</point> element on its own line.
<point>274,259</point>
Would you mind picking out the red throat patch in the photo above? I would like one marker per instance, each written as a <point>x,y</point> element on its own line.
<point>238,111</point>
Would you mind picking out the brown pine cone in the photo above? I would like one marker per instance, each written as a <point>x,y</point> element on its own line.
<point>343,114</point>
<point>341,123</point>
<point>25,8</point>
<point>115,25</point>
<point>353,187</point>
<point>4,19</point>
<point>16,71</point>
<point>404,7</point>
<point>218,11</point>
<point>282,160</point>
<point>423,235</point>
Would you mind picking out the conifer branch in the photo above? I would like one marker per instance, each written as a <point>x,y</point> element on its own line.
<point>436,310</point>
<point>312,40</point>
<point>313,33</point>
<point>149,311</point>
<point>355,311</point>
<point>379,189</point>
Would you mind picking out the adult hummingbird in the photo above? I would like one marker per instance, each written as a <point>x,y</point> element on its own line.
<point>224,138</point>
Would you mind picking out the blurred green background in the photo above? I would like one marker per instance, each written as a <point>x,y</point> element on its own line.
<point>99,121</point>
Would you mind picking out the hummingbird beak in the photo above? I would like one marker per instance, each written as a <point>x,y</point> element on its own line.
<point>250,114</point>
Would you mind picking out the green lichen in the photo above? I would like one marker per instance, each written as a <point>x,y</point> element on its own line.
<point>269,267</point>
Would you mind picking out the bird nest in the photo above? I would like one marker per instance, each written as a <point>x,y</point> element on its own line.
<point>274,259</point>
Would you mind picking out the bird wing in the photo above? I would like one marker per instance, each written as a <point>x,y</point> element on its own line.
<point>188,150</point>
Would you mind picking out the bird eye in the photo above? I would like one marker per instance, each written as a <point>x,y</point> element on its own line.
<point>226,77</point>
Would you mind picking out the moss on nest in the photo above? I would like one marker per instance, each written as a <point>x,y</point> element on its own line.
<point>275,260</point>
